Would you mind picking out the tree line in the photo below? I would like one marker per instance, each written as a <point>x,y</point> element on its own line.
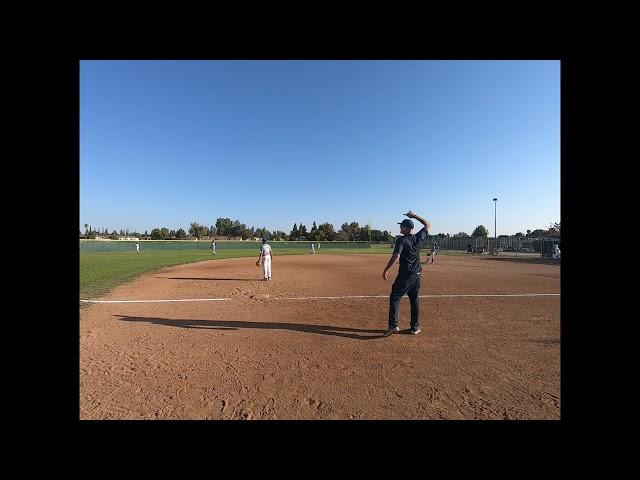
<point>225,227</point>
<point>349,231</point>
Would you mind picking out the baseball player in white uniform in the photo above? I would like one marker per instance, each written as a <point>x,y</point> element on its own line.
<point>556,252</point>
<point>213,246</point>
<point>265,254</point>
<point>137,247</point>
<point>313,249</point>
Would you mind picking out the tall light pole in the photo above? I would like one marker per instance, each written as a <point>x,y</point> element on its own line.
<point>495,233</point>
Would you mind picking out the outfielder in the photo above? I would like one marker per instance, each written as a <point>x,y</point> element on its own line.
<point>138,247</point>
<point>409,281</point>
<point>313,249</point>
<point>265,255</point>
<point>556,252</point>
<point>213,246</point>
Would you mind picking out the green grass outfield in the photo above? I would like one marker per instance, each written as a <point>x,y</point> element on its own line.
<point>100,272</point>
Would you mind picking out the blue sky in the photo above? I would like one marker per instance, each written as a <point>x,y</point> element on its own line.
<point>273,143</point>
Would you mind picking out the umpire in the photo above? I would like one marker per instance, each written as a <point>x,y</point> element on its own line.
<point>409,279</point>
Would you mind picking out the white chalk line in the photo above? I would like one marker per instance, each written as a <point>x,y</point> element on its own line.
<point>156,301</point>
<point>334,298</point>
<point>429,296</point>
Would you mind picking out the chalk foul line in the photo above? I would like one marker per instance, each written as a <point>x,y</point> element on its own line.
<point>157,301</point>
<point>333,298</point>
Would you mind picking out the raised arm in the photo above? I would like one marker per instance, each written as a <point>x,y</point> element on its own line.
<point>424,222</point>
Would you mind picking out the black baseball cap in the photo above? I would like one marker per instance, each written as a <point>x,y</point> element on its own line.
<point>406,223</point>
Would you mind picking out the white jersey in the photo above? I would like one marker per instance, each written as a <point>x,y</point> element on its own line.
<point>265,250</point>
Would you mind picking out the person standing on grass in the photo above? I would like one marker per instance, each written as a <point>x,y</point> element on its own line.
<point>213,246</point>
<point>265,255</point>
<point>313,250</point>
<point>408,281</point>
<point>138,247</point>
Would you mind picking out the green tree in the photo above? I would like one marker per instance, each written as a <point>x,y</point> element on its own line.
<point>180,233</point>
<point>294,232</point>
<point>164,232</point>
<point>223,226</point>
<point>238,229</point>
<point>528,232</point>
<point>361,234</point>
<point>480,231</point>
<point>261,233</point>
<point>302,232</point>
<point>195,229</point>
<point>351,229</point>
<point>342,236</point>
<point>519,234</point>
<point>354,230</point>
<point>376,236</point>
<point>328,232</point>
<point>461,234</point>
<point>155,234</point>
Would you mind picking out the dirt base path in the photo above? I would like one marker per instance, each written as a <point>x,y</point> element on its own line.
<point>264,355</point>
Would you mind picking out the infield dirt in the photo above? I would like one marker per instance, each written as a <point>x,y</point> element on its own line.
<point>263,355</point>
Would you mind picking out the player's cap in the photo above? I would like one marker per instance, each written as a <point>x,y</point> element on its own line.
<point>264,240</point>
<point>406,223</point>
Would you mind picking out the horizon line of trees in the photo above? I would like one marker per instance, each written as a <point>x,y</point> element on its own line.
<point>324,232</point>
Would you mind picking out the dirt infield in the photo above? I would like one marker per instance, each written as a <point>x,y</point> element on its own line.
<point>289,357</point>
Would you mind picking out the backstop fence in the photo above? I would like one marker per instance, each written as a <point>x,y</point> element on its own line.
<point>540,246</point>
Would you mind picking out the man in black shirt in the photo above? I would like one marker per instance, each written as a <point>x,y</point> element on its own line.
<point>409,280</point>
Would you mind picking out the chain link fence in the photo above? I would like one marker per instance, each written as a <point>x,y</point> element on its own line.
<point>130,246</point>
<point>520,245</point>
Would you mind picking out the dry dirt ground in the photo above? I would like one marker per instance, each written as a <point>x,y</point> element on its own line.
<point>289,357</point>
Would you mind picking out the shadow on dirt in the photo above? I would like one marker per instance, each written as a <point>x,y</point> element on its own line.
<point>236,325</point>
<point>210,279</point>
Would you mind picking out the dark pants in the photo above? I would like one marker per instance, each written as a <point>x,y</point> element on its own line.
<point>411,286</point>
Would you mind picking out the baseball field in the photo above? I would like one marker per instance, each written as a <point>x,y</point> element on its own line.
<point>210,340</point>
